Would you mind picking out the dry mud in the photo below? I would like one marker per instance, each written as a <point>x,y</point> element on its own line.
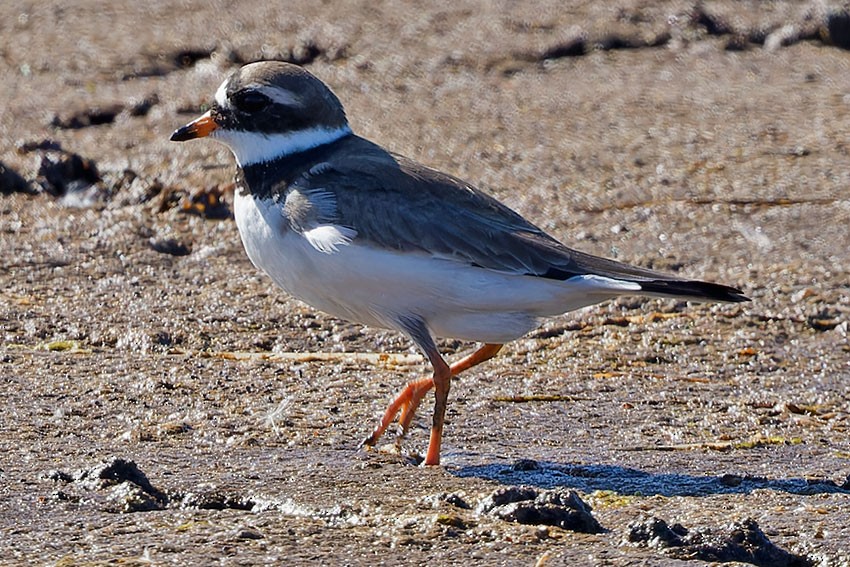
<point>165,404</point>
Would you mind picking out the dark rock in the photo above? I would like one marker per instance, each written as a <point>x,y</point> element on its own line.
<point>11,181</point>
<point>451,498</point>
<point>185,58</point>
<point>129,188</point>
<point>95,116</point>
<point>737,42</point>
<point>247,533</point>
<point>163,338</point>
<point>713,24</point>
<point>616,41</point>
<point>823,324</point>
<point>33,146</point>
<point>731,480</point>
<point>106,114</point>
<point>455,500</point>
<point>142,107</point>
<point>63,496</point>
<point>836,29</point>
<point>574,47</point>
<point>160,64</point>
<point>170,246</point>
<point>525,465</point>
<point>74,180</point>
<point>61,172</point>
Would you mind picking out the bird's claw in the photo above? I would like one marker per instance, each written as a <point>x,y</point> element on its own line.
<point>370,441</point>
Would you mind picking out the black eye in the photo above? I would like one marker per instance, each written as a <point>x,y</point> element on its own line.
<point>249,101</point>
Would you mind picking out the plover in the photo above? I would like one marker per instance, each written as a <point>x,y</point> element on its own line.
<point>367,235</point>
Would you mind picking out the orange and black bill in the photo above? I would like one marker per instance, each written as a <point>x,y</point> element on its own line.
<point>200,127</point>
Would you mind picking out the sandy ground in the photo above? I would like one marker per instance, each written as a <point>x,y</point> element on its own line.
<point>160,401</point>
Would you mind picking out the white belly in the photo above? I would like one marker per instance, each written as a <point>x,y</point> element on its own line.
<point>375,287</point>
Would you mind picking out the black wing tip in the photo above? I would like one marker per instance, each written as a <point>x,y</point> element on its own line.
<point>737,296</point>
<point>725,293</point>
<point>695,290</point>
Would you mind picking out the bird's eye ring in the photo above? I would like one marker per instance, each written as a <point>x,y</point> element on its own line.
<point>249,101</point>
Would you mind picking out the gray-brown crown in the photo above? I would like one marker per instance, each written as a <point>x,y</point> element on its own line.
<point>272,97</point>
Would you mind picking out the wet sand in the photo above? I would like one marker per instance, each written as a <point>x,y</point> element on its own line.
<point>162,401</point>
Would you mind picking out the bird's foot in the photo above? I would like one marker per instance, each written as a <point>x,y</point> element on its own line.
<point>404,407</point>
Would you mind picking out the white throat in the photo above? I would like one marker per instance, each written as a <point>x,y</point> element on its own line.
<point>254,147</point>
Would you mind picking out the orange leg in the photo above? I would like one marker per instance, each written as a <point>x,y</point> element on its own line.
<point>483,354</point>
<point>410,397</point>
<point>442,383</point>
<point>406,402</point>
<point>408,412</point>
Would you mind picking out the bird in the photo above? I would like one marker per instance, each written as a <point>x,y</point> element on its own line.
<point>367,235</point>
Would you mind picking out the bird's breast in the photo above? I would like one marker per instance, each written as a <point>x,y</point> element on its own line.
<point>327,280</point>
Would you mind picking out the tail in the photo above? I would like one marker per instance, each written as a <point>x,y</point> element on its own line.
<point>693,290</point>
<point>650,282</point>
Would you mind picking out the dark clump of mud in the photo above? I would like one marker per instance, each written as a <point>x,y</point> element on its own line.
<point>743,542</point>
<point>524,505</point>
<point>110,472</point>
<point>216,500</point>
<point>107,114</point>
<point>121,486</point>
<point>127,488</point>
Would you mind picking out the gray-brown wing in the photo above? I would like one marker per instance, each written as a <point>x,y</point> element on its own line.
<point>395,203</point>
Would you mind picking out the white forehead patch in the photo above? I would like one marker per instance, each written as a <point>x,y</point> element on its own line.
<point>278,95</point>
<point>221,96</point>
<point>275,94</point>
